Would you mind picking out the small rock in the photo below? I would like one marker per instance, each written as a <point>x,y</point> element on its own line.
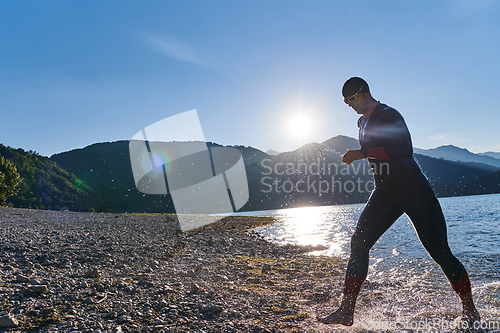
<point>190,273</point>
<point>146,283</point>
<point>162,304</point>
<point>38,288</point>
<point>100,287</point>
<point>34,313</point>
<point>93,273</point>
<point>211,308</point>
<point>83,285</point>
<point>118,329</point>
<point>22,278</point>
<point>111,315</point>
<point>266,268</point>
<point>128,289</point>
<point>195,288</point>
<point>8,321</point>
<point>167,289</point>
<point>121,284</point>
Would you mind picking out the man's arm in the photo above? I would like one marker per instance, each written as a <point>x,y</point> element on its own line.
<point>352,155</point>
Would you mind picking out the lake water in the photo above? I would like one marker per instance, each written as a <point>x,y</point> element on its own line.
<point>413,285</point>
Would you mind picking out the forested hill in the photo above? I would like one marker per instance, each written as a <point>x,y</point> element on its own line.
<point>45,185</point>
<point>106,168</point>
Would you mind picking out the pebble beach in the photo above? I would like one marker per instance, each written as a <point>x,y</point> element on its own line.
<point>100,272</point>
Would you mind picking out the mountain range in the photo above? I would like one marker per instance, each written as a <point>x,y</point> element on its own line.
<point>99,177</point>
<point>491,154</point>
<point>454,153</point>
<point>272,180</point>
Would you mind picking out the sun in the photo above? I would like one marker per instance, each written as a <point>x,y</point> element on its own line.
<point>299,125</point>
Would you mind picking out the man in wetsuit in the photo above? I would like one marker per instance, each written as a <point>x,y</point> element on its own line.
<point>400,187</point>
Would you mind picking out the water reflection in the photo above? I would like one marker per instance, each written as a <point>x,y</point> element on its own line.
<point>330,226</point>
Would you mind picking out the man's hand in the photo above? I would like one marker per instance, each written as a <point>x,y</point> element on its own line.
<point>351,156</point>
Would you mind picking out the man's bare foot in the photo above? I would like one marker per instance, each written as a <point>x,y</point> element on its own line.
<point>334,319</point>
<point>469,315</point>
<point>339,317</point>
<point>469,321</point>
<point>344,314</point>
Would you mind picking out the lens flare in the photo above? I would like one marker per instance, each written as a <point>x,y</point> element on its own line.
<point>78,183</point>
<point>163,158</point>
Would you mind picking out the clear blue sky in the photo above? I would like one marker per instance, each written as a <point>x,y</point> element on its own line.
<point>73,73</point>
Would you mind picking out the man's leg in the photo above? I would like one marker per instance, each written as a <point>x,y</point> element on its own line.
<point>376,218</point>
<point>428,220</point>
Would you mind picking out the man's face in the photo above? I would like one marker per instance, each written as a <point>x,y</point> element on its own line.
<point>359,104</point>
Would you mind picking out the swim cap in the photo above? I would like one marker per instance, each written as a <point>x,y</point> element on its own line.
<point>352,86</point>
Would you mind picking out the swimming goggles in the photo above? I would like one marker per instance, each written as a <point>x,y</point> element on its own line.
<point>353,98</point>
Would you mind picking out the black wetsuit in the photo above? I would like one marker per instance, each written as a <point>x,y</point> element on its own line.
<point>400,187</point>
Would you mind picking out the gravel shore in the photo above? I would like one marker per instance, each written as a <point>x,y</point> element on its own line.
<point>98,272</point>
